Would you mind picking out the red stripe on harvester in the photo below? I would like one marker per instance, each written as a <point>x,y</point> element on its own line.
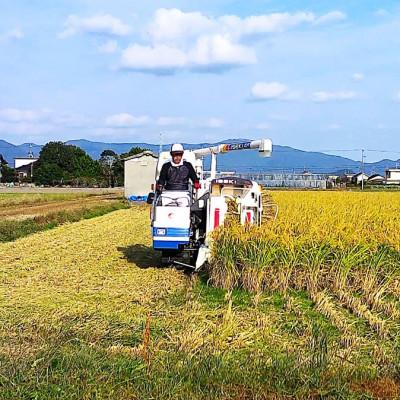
<point>216,217</point>
<point>248,217</point>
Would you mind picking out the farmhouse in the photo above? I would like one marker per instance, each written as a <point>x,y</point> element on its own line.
<point>358,178</point>
<point>139,173</point>
<point>24,166</point>
<point>376,179</point>
<point>393,176</point>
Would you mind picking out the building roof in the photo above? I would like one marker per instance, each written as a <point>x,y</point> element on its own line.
<point>143,153</point>
<point>26,158</point>
<point>393,169</point>
<point>359,174</point>
<point>376,177</point>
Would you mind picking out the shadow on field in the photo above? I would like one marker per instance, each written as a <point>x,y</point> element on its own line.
<point>141,255</point>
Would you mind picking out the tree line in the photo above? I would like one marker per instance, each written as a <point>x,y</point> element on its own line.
<point>65,164</point>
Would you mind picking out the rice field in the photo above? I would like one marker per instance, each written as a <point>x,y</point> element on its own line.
<point>340,250</point>
<point>304,307</point>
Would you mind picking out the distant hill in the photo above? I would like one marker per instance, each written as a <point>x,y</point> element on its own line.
<point>284,158</point>
<point>10,151</point>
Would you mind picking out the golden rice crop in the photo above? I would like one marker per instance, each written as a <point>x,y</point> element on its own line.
<point>339,218</point>
<point>348,243</point>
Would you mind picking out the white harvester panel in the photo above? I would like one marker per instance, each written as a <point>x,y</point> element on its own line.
<point>244,194</point>
<point>171,226</point>
<point>216,214</point>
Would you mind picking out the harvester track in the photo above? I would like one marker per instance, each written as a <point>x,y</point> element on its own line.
<point>270,208</point>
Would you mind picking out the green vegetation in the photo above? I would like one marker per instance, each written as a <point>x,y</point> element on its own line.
<point>61,164</point>
<point>6,173</point>
<point>15,229</point>
<point>112,165</point>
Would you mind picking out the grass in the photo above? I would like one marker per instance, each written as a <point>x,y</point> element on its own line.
<point>88,314</point>
<point>15,199</point>
<point>15,229</point>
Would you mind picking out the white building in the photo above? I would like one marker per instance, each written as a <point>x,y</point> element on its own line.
<point>24,166</point>
<point>140,172</point>
<point>358,178</point>
<point>393,176</point>
<point>376,179</point>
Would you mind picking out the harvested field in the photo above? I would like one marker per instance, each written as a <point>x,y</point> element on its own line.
<point>24,214</point>
<point>87,313</point>
<point>20,199</point>
<point>28,207</point>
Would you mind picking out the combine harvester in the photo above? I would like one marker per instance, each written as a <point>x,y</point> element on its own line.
<point>182,221</point>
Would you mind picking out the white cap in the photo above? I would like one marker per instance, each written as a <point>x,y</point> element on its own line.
<point>177,148</point>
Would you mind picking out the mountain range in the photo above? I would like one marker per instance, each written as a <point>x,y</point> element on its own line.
<point>284,158</point>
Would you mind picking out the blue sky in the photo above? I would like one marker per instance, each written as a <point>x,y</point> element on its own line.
<point>315,75</point>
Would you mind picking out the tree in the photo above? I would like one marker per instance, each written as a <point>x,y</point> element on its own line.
<point>119,165</point>
<point>7,173</point>
<point>61,164</point>
<point>108,161</point>
<point>133,151</point>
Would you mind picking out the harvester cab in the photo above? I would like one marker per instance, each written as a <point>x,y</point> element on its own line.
<point>182,221</point>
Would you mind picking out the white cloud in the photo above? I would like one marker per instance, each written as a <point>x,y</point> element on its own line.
<point>323,97</point>
<point>159,57</point>
<point>358,76</point>
<point>263,126</point>
<point>71,120</point>
<point>172,25</point>
<point>381,12</point>
<point>268,90</point>
<point>109,47</point>
<point>264,24</point>
<point>171,121</point>
<point>125,120</point>
<point>333,16</point>
<point>14,34</point>
<point>219,50</point>
<point>215,123</point>
<point>104,24</point>
<point>210,51</point>
<point>333,127</point>
<point>15,115</point>
<point>179,40</point>
<point>273,91</point>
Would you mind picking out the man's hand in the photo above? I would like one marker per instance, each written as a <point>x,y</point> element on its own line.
<point>197,185</point>
<point>159,188</point>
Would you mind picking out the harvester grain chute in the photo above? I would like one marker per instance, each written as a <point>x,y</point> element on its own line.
<point>182,221</point>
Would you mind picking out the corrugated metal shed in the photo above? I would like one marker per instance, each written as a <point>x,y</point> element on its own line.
<point>140,172</point>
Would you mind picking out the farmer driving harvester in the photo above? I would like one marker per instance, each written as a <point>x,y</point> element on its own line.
<point>175,175</point>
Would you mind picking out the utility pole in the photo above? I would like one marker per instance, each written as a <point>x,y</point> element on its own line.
<point>30,155</point>
<point>161,143</point>
<point>362,168</point>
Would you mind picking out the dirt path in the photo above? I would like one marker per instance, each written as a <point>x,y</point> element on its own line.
<point>25,211</point>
